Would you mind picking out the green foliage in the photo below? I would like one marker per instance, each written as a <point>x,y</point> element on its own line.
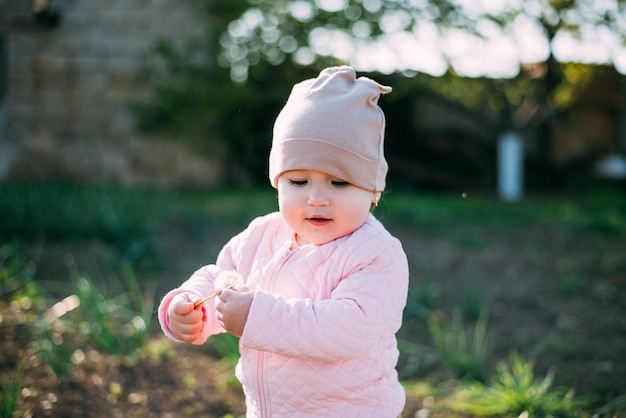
<point>605,211</point>
<point>221,92</point>
<point>114,318</point>
<point>23,302</point>
<point>571,280</point>
<point>613,408</point>
<point>10,392</point>
<point>514,392</point>
<point>576,77</point>
<point>464,350</point>
<point>270,32</point>
<point>473,302</point>
<point>122,216</point>
<point>197,102</point>
<point>422,298</point>
<point>20,304</point>
<point>224,207</point>
<point>481,97</point>
<point>601,212</point>
<point>52,347</point>
<point>278,31</point>
<point>194,100</point>
<point>227,347</point>
<point>417,359</point>
<point>17,271</point>
<point>553,344</point>
<point>109,313</point>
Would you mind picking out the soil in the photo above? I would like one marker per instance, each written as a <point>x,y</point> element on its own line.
<point>556,296</point>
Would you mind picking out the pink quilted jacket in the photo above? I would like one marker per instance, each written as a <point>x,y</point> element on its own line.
<point>320,336</point>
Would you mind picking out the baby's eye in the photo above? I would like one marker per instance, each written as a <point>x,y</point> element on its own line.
<point>297,182</point>
<point>340,183</point>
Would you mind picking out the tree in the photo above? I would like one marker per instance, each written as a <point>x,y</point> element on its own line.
<point>323,31</point>
<point>308,31</point>
<point>224,91</point>
<point>194,100</point>
<point>319,32</point>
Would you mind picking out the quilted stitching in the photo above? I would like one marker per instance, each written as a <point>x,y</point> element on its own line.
<point>320,336</point>
<point>326,321</point>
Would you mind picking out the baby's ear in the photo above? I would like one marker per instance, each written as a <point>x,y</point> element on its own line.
<point>376,198</point>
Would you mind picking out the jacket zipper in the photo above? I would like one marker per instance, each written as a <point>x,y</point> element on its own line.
<point>279,262</point>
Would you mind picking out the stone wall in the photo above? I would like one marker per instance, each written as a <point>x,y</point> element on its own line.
<point>70,70</point>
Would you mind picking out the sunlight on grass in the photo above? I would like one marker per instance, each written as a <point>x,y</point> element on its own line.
<point>515,391</point>
<point>105,313</point>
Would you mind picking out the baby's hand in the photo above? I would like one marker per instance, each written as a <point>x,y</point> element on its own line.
<point>232,308</point>
<point>184,321</point>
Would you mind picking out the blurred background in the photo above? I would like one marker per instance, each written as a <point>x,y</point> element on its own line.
<point>134,138</point>
<point>185,93</point>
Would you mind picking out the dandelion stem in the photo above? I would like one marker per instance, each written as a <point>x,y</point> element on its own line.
<point>201,301</point>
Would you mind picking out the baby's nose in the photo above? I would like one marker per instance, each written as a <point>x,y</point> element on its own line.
<point>318,197</point>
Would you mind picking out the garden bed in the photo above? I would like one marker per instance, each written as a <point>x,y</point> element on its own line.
<point>552,292</point>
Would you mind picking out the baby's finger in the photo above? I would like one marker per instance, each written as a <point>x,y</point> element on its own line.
<point>225,294</point>
<point>182,308</point>
<point>191,329</point>
<point>192,317</point>
<point>188,338</point>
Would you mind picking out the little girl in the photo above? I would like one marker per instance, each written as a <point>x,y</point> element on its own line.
<point>323,284</point>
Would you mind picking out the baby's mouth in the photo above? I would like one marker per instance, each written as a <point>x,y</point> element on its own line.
<point>318,220</point>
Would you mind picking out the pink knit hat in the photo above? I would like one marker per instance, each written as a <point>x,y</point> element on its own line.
<point>332,124</point>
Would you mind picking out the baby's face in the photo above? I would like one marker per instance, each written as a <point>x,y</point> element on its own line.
<point>319,207</point>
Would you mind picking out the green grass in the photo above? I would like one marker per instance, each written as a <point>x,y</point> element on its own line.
<point>111,308</point>
<point>10,388</point>
<point>110,313</point>
<point>126,214</point>
<point>515,391</point>
<point>602,211</point>
<point>17,274</point>
<point>230,207</point>
<point>125,217</point>
<point>512,391</point>
<point>463,347</point>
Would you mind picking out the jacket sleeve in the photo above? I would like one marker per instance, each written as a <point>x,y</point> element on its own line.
<point>202,283</point>
<point>365,307</point>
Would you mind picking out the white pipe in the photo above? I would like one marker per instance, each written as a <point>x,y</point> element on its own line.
<point>510,166</point>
